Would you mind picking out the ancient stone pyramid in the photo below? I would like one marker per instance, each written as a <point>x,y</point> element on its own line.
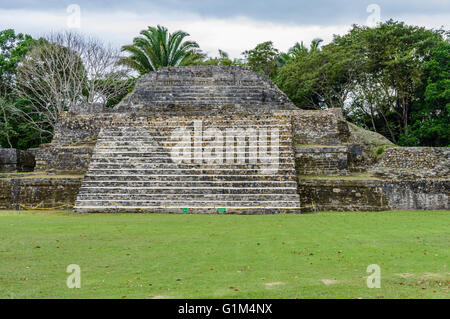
<point>195,139</point>
<point>205,91</point>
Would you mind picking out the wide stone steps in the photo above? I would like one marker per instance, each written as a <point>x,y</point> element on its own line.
<point>196,184</point>
<point>190,124</point>
<point>158,149</point>
<point>190,197</point>
<point>189,89</point>
<point>173,177</point>
<point>133,168</point>
<point>179,209</point>
<point>207,155</point>
<point>207,140</point>
<point>188,203</point>
<point>157,155</point>
<point>263,168</point>
<point>167,145</point>
<point>105,169</point>
<point>251,161</point>
<point>183,191</point>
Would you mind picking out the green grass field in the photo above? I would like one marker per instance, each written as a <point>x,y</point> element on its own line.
<point>321,255</point>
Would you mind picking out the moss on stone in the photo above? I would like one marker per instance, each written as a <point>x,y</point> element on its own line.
<point>28,175</point>
<point>354,176</point>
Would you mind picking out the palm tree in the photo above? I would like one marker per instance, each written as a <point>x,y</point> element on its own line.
<point>297,50</point>
<point>156,48</point>
<point>315,44</point>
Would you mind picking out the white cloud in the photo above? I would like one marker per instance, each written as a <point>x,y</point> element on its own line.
<point>234,35</point>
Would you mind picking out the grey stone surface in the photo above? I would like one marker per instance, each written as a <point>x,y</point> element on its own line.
<point>414,163</point>
<point>316,143</point>
<point>87,108</point>
<point>374,194</point>
<point>12,160</point>
<point>133,168</point>
<point>32,191</point>
<point>205,90</point>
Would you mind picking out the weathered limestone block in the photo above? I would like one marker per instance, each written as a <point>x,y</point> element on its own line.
<point>5,193</point>
<point>71,159</point>
<point>12,159</point>
<point>343,195</point>
<point>374,194</point>
<point>414,162</point>
<point>8,159</point>
<point>321,160</point>
<point>320,127</point>
<point>205,90</point>
<point>355,158</point>
<point>51,192</point>
<point>423,194</point>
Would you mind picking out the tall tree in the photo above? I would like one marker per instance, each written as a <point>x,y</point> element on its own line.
<point>157,48</point>
<point>263,58</point>
<point>430,119</point>
<point>223,60</point>
<point>13,47</point>
<point>65,71</point>
<point>296,51</point>
<point>13,132</point>
<point>319,78</point>
<point>375,74</point>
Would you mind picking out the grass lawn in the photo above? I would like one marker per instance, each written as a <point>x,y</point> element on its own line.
<point>322,255</point>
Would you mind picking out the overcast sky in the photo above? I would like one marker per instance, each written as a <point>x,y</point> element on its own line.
<point>233,25</point>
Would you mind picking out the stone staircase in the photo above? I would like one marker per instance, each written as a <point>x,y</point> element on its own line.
<point>321,160</point>
<point>202,90</point>
<point>243,164</point>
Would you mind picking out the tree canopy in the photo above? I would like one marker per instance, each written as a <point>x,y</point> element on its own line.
<point>376,75</point>
<point>156,48</point>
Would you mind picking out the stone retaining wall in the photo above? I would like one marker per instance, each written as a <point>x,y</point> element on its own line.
<point>51,192</point>
<point>416,157</point>
<point>64,159</point>
<point>321,127</point>
<point>414,162</point>
<point>12,159</point>
<point>374,195</point>
<point>321,160</point>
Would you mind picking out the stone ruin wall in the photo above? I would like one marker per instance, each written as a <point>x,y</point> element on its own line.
<point>203,90</point>
<point>374,194</point>
<point>45,192</point>
<point>75,138</point>
<point>14,160</point>
<point>319,127</point>
<point>414,162</point>
<point>321,142</point>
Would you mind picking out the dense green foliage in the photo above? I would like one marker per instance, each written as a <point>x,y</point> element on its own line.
<point>222,60</point>
<point>13,47</point>
<point>391,79</point>
<point>263,58</point>
<point>13,131</point>
<point>430,116</point>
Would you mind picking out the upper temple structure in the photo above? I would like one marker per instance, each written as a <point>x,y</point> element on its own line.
<point>208,139</point>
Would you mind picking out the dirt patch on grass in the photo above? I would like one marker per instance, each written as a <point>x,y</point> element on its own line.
<point>431,275</point>
<point>329,281</point>
<point>275,283</point>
